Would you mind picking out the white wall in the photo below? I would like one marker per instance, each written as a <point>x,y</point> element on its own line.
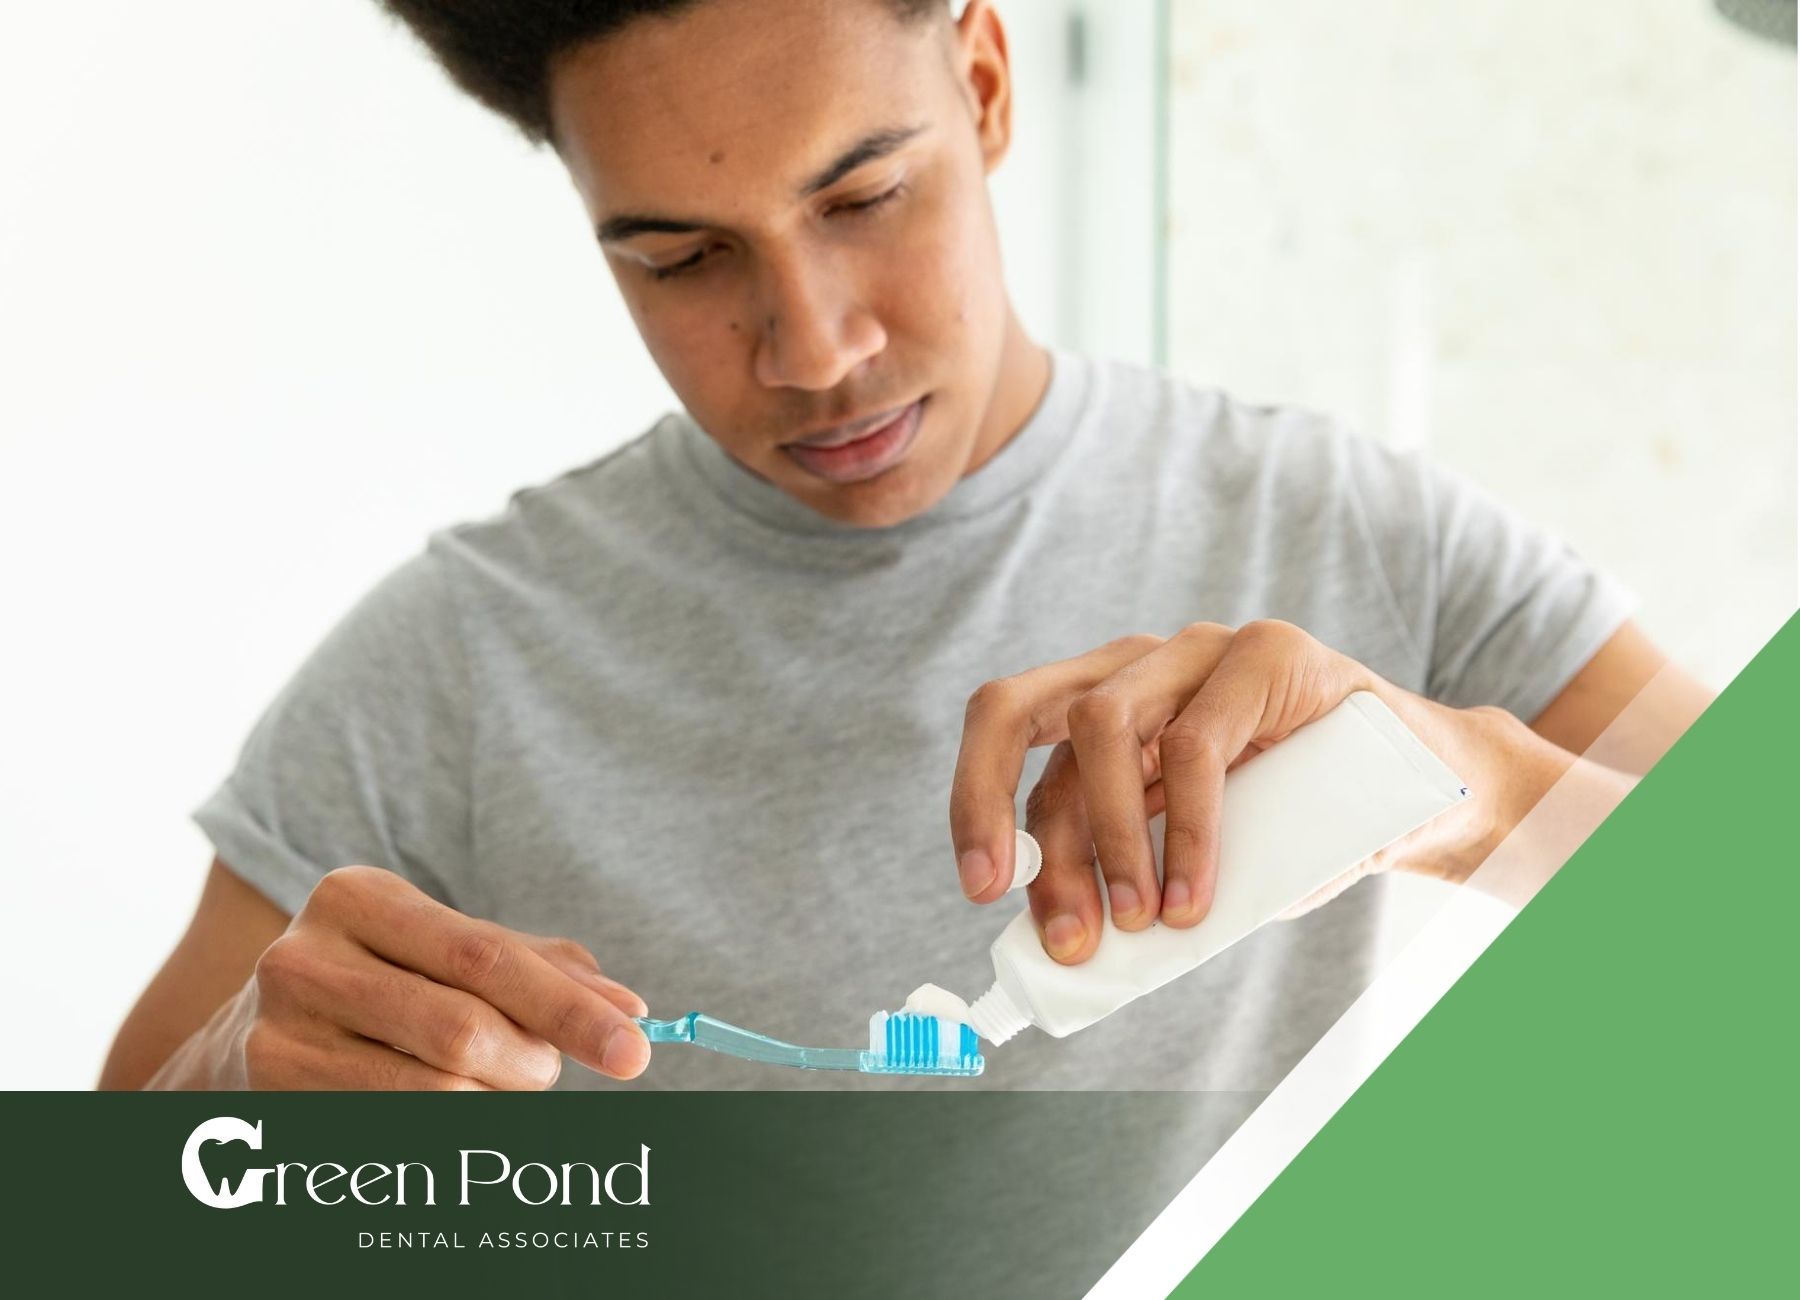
<point>276,302</point>
<point>1552,242</point>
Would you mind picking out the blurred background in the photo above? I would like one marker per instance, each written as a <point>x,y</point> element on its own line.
<point>276,301</point>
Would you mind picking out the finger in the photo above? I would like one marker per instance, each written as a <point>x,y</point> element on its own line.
<point>368,1065</point>
<point>342,984</point>
<point>1271,679</point>
<point>496,965</point>
<point>1197,748</point>
<point>1152,765</point>
<point>580,963</point>
<point>1065,898</point>
<point>1103,731</point>
<point>352,1063</point>
<point>1005,718</point>
<point>1109,727</point>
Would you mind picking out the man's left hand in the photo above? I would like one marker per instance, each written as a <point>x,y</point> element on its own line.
<point>1147,724</point>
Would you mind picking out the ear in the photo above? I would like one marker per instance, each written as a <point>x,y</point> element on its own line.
<point>985,68</point>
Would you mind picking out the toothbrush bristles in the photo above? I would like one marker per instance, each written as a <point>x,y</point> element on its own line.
<point>903,1043</point>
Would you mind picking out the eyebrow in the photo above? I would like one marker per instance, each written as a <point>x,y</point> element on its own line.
<point>877,144</point>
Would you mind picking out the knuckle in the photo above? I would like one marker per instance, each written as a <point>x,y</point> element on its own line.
<point>570,950</point>
<point>341,890</point>
<point>346,880</point>
<point>262,1054</point>
<point>992,698</point>
<point>1491,717</point>
<point>1182,838</point>
<point>478,956</point>
<point>1186,743</point>
<point>281,962</point>
<point>571,1021</point>
<point>1204,632</point>
<point>1101,712</point>
<point>1272,633</point>
<point>545,1065</point>
<point>1136,643</point>
<point>294,971</point>
<point>464,1040</point>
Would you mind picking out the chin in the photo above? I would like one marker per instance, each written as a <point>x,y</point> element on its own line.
<point>881,502</point>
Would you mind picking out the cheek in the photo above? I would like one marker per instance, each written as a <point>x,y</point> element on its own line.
<point>945,281</point>
<point>699,349</point>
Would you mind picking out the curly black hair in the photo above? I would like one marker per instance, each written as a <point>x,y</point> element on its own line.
<point>499,51</point>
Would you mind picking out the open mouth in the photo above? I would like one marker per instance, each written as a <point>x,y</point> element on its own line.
<point>865,455</point>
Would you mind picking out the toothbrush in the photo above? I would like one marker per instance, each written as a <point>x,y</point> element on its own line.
<point>899,1043</point>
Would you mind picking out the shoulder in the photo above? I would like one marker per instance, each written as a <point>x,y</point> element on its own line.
<point>566,519</point>
<point>1288,455</point>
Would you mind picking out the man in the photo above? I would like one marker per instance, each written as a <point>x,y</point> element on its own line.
<point>689,713</point>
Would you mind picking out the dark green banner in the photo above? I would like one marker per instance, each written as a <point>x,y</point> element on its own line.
<point>802,1194</point>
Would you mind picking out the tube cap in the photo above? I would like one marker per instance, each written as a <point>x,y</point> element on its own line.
<point>1028,860</point>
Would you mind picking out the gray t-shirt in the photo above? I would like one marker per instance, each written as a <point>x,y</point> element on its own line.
<point>661,707</point>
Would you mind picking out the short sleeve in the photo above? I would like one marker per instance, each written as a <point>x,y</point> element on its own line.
<point>362,757</point>
<point>1505,612</point>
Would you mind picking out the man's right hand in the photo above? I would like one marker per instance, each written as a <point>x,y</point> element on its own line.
<point>375,985</point>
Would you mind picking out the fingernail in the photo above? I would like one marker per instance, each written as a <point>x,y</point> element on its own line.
<point>1125,901</point>
<point>977,871</point>
<point>1178,899</point>
<point>1063,935</point>
<point>625,1053</point>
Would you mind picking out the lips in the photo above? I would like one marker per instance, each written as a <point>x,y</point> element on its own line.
<point>860,454</point>
<point>850,432</point>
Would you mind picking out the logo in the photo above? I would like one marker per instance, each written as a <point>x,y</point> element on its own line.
<point>531,1183</point>
<point>194,1172</point>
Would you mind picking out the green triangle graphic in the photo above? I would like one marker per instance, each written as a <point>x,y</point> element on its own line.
<point>1605,1103</point>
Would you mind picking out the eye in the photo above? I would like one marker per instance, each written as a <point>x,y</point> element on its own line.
<point>869,205</point>
<point>678,268</point>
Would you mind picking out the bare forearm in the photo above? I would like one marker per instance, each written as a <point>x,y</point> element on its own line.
<point>1577,795</point>
<point>1566,796</point>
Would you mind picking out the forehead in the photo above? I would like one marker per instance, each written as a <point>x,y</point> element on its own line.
<point>740,97</point>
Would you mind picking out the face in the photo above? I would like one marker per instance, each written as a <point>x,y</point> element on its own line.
<point>792,197</point>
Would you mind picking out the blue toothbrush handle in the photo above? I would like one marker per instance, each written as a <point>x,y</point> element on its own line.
<point>731,1040</point>
<point>679,1030</point>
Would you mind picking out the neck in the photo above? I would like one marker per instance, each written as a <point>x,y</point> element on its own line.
<point>1024,375</point>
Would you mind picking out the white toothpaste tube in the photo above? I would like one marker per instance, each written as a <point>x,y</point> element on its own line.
<point>1296,817</point>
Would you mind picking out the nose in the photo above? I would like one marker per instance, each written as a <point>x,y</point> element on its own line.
<point>815,329</point>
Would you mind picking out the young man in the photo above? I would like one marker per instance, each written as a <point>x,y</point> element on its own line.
<point>689,713</point>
